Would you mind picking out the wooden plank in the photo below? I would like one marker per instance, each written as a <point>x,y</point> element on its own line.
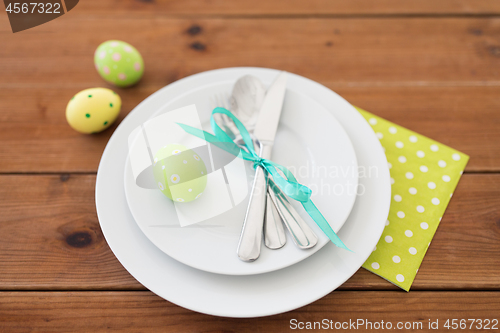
<point>464,118</point>
<point>33,128</point>
<point>37,138</point>
<point>363,50</point>
<point>52,240</point>
<point>142,311</point>
<point>51,236</point>
<point>290,7</point>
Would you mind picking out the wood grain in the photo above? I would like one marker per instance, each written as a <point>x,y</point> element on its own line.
<point>398,51</point>
<point>145,312</point>
<point>37,138</point>
<point>51,239</point>
<point>289,7</point>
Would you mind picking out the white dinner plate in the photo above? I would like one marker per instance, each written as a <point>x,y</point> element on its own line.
<point>309,141</point>
<point>250,295</point>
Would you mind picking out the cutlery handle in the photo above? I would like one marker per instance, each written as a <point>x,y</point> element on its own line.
<point>274,234</point>
<point>303,236</point>
<point>251,235</point>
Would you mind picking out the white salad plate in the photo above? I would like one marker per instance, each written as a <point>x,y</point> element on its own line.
<point>309,141</point>
<point>247,295</point>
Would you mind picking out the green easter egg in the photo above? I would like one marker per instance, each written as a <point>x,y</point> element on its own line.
<point>119,63</point>
<point>180,173</point>
<point>93,110</point>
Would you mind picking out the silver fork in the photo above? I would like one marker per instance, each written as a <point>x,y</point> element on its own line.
<point>274,235</point>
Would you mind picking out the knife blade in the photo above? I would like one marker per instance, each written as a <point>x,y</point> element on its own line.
<point>250,242</point>
<point>270,112</point>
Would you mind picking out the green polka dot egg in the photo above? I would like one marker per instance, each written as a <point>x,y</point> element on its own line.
<point>93,110</point>
<point>119,63</point>
<point>180,173</point>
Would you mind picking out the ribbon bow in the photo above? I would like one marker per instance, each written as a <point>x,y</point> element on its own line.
<point>289,186</point>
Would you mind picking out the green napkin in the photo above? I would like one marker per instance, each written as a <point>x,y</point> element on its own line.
<point>424,174</point>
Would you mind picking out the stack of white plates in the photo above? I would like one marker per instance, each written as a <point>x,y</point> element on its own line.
<point>321,137</point>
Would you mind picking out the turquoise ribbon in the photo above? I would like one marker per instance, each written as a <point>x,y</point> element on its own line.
<point>289,186</point>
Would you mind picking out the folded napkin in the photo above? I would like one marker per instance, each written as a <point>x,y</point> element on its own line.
<point>424,174</point>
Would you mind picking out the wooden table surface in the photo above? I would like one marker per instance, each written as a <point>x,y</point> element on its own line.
<point>431,66</point>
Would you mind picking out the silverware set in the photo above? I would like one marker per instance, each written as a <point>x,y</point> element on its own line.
<point>268,208</point>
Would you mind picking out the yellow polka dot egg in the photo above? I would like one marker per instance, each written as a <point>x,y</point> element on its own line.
<point>180,173</point>
<point>119,63</point>
<point>93,110</point>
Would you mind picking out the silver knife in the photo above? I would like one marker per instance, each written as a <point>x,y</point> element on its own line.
<point>265,130</point>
